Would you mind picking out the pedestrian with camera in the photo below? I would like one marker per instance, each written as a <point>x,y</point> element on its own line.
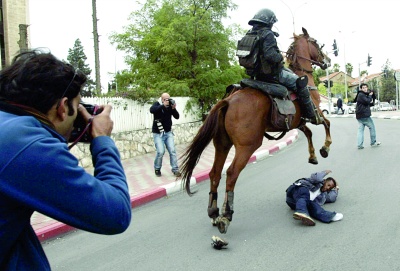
<point>39,103</point>
<point>365,99</point>
<point>307,195</point>
<point>163,111</point>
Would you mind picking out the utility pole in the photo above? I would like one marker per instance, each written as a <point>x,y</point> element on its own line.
<point>293,14</point>
<point>329,88</point>
<point>96,49</point>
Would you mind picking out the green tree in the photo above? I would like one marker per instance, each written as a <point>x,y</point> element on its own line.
<point>77,58</point>
<point>180,47</point>
<point>387,92</point>
<point>335,68</point>
<point>349,69</point>
<point>317,73</point>
<point>363,72</point>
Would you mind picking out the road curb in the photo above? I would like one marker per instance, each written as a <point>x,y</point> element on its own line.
<point>374,117</point>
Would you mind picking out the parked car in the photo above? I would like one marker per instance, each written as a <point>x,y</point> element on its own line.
<point>351,108</point>
<point>385,106</point>
<point>325,108</point>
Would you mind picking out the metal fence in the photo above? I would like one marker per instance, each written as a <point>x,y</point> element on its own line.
<point>130,115</point>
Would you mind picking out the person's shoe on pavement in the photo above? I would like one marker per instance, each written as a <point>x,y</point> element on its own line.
<point>375,144</point>
<point>177,173</point>
<point>337,217</point>
<point>158,172</point>
<point>305,219</point>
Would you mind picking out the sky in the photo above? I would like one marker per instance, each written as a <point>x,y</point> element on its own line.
<point>359,27</point>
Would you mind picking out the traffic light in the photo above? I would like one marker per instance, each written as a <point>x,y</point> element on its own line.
<point>328,83</point>
<point>335,49</point>
<point>369,61</point>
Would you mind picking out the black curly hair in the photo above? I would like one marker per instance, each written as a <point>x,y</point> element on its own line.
<point>39,80</point>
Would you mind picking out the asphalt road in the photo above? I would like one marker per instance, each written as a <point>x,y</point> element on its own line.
<point>175,233</point>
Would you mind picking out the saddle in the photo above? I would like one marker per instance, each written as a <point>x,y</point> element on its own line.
<point>283,109</point>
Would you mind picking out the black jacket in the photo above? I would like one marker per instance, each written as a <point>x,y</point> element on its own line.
<point>164,114</point>
<point>269,52</point>
<point>339,103</point>
<point>364,102</point>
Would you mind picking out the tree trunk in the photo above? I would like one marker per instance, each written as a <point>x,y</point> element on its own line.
<point>96,49</point>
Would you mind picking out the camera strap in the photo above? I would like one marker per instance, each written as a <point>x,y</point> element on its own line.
<point>96,107</point>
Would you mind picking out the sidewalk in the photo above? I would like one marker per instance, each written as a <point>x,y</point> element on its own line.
<point>145,187</point>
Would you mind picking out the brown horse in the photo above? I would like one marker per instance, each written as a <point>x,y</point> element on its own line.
<point>241,120</point>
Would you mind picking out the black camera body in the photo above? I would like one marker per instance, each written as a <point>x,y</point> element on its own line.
<point>171,102</point>
<point>80,125</point>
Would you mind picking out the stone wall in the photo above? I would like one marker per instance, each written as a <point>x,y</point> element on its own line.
<point>134,143</point>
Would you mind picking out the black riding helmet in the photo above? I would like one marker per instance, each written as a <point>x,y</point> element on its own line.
<point>264,16</point>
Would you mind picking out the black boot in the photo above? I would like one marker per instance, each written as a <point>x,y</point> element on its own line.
<point>307,106</point>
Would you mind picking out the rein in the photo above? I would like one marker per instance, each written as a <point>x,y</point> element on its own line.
<point>294,58</point>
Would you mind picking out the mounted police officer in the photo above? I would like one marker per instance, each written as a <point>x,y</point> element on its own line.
<point>272,69</point>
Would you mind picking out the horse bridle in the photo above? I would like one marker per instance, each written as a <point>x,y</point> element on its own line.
<point>313,62</point>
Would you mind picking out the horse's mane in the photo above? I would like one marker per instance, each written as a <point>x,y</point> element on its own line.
<point>290,53</point>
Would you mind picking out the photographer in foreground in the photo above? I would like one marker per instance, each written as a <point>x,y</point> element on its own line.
<point>39,102</point>
<point>163,110</point>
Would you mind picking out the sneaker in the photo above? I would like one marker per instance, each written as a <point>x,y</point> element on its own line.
<point>177,174</point>
<point>360,147</point>
<point>337,217</point>
<point>305,219</point>
<point>376,144</point>
<point>158,172</point>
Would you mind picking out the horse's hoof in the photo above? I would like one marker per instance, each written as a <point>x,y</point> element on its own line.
<point>324,152</point>
<point>214,221</point>
<point>222,224</point>
<point>313,161</point>
<point>218,243</point>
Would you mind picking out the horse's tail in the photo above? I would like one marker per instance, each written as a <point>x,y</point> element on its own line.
<point>205,134</point>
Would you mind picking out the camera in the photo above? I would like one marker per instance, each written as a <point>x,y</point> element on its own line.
<point>80,125</point>
<point>171,102</point>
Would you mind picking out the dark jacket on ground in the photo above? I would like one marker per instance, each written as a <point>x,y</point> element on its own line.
<point>364,102</point>
<point>163,114</point>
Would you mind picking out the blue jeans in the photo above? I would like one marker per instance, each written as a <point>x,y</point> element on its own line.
<point>288,79</point>
<point>361,125</point>
<point>298,199</point>
<point>167,140</point>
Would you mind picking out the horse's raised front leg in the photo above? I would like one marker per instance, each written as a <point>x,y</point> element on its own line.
<point>324,151</point>
<point>240,160</point>
<point>312,159</point>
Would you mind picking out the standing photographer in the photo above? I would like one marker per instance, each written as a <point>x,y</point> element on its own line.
<point>39,102</point>
<point>365,99</point>
<point>163,111</point>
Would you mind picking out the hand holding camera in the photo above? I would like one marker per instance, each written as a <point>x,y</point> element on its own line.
<point>169,102</point>
<point>102,123</point>
<point>92,121</point>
